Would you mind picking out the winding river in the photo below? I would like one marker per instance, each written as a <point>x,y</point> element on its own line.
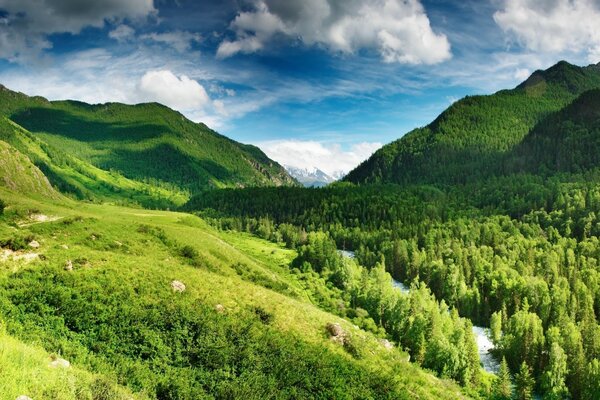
<point>484,344</point>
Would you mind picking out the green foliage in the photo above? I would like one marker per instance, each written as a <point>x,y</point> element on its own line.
<point>503,388</point>
<point>469,141</point>
<point>3,205</point>
<point>524,383</point>
<point>554,377</point>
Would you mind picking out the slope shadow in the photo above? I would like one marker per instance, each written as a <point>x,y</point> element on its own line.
<point>63,123</point>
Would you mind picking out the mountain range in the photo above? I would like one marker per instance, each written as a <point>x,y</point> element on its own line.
<point>146,152</point>
<point>313,177</point>
<point>489,215</point>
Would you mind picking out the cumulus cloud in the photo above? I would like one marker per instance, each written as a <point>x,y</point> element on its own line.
<point>553,26</point>
<point>181,92</point>
<point>399,30</point>
<point>180,40</point>
<point>329,158</point>
<point>27,23</point>
<point>122,33</point>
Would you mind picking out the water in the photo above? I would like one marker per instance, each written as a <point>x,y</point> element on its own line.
<point>399,285</point>
<point>484,344</point>
<point>347,254</point>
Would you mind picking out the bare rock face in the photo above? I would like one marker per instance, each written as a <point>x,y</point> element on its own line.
<point>69,265</point>
<point>34,244</point>
<point>59,363</point>
<point>220,308</point>
<point>178,286</point>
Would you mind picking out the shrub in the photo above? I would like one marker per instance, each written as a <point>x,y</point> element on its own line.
<point>264,316</point>
<point>2,206</point>
<point>190,252</point>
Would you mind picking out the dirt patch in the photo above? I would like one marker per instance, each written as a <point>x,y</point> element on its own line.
<point>38,219</point>
<point>7,254</point>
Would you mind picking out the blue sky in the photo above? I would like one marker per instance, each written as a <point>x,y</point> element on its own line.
<point>315,83</point>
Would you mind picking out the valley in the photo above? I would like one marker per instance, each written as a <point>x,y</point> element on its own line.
<point>146,256</point>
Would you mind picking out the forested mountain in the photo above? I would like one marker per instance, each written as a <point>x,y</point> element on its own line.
<point>494,207</point>
<point>144,143</point>
<point>470,140</point>
<point>565,141</point>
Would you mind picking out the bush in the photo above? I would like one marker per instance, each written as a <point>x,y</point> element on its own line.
<point>2,206</point>
<point>189,252</point>
<point>264,316</point>
<point>16,243</point>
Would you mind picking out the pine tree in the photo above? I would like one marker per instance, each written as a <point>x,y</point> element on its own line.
<point>524,383</point>
<point>504,385</point>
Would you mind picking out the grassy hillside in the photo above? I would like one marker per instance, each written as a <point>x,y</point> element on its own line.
<point>26,370</point>
<point>146,143</point>
<point>98,292</point>
<point>18,173</point>
<point>470,139</point>
<point>82,180</point>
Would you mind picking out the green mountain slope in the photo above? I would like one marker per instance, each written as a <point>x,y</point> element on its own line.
<point>99,292</point>
<point>565,141</point>
<point>146,143</point>
<point>19,174</point>
<point>470,139</point>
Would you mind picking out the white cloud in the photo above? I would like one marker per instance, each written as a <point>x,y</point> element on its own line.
<point>122,33</point>
<point>28,22</point>
<point>553,26</point>
<point>180,40</point>
<point>181,92</point>
<point>399,30</point>
<point>329,158</point>
<point>522,74</point>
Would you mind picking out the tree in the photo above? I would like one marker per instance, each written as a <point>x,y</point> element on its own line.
<point>524,383</point>
<point>504,385</point>
<point>496,327</point>
<point>592,388</point>
<point>555,374</point>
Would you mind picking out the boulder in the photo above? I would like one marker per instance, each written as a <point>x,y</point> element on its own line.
<point>59,363</point>
<point>335,329</point>
<point>69,265</point>
<point>23,397</point>
<point>34,244</point>
<point>220,308</point>
<point>178,286</point>
<point>64,246</point>
<point>386,344</point>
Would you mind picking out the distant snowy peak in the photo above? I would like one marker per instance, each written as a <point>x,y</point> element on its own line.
<point>313,176</point>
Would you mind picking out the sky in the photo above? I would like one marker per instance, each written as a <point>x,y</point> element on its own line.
<point>314,83</point>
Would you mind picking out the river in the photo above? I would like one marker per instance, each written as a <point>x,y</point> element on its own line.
<point>484,344</point>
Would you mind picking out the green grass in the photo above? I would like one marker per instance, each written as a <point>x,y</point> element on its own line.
<point>116,315</point>
<point>145,143</point>
<point>25,370</point>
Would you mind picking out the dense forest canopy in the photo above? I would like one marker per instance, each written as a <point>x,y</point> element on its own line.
<point>494,207</point>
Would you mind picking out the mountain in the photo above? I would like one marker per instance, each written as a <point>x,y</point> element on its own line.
<point>470,139</point>
<point>18,173</point>
<point>310,177</point>
<point>148,144</point>
<point>565,141</point>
